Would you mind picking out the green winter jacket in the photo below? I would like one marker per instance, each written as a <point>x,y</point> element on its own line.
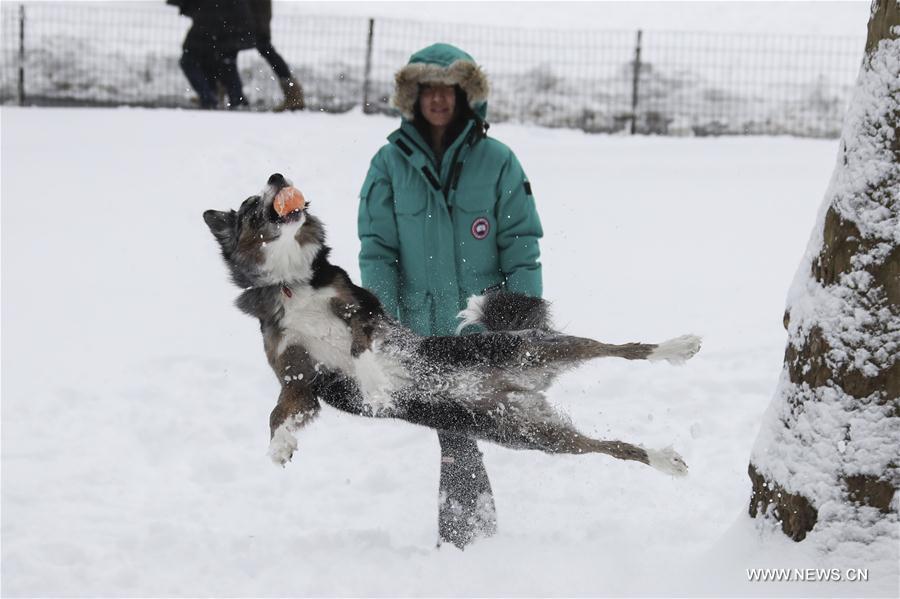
<point>432,235</point>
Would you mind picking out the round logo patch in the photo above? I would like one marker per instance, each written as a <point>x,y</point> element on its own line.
<point>480,228</point>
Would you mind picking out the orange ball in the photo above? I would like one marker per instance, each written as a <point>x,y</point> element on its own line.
<point>288,200</point>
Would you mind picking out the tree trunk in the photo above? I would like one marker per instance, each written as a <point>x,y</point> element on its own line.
<point>828,454</point>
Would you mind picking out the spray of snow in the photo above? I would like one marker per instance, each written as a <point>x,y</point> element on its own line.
<point>378,375</point>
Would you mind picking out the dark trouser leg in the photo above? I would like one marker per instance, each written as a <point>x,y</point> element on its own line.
<point>196,71</point>
<point>466,504</point>
<point>231,79</point>
<point>267,50</point>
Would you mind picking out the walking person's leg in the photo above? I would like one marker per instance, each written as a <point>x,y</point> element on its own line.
<point>466,508</point>
<point>268,52</point>
<point>293,92</point>
<point>231,79</point>
<point>196,55</point>
<point>194,68</point>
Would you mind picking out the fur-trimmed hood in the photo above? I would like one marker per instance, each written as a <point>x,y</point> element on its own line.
<point>444,64</point>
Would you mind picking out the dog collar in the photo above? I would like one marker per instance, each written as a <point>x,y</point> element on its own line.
<point>287,291</point>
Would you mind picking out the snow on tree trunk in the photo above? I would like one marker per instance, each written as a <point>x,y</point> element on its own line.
<point>827,458</point>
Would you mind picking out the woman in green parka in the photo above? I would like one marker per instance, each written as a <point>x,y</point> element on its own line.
<point>446,213</point>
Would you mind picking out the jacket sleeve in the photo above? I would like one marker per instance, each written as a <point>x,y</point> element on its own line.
<point>518,231</point>
<point>379,244</point>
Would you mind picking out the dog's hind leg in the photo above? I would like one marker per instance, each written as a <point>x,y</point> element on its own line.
<point>665,460</point>
<point>554,438</point>
<point>577,349</point>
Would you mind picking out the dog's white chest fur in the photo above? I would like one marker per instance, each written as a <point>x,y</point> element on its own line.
<point>310,322</point>
<point>287,260</point>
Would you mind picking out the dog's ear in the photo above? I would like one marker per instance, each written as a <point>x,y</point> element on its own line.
<point>223,226</point>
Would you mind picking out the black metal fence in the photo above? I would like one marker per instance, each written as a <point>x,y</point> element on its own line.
<point>81,53</point>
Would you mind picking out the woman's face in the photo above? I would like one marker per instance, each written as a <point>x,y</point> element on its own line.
<point>438,103</point>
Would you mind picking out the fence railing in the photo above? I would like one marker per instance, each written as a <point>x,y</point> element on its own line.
<point>677,83</point>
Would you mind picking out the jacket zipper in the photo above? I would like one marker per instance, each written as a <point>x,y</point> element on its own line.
<point>416,144</point>
<point>456,170</point>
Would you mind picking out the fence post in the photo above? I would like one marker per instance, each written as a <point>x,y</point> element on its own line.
<point>21,55</point>
<point>634,83</point>
<point>368,72</point>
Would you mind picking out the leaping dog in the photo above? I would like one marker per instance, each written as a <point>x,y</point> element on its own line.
<point>329,339</point>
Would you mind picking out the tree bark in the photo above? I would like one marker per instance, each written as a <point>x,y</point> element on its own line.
<point>828,452</point>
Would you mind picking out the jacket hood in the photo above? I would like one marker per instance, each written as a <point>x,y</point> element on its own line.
<point>446,65</point>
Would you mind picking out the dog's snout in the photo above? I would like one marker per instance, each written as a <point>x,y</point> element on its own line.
<point>278,180</point>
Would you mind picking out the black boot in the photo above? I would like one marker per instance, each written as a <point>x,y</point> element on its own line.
<point>466,504</point>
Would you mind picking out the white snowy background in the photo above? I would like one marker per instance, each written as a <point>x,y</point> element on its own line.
<point>813,17</point>
<point>135,397</point>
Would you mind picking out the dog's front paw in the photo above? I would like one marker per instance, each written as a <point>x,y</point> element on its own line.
<point>667,460</point>
<point>282,445</point>
<point>677,350</point>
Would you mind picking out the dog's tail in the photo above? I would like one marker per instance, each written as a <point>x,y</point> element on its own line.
<point>503,311</point>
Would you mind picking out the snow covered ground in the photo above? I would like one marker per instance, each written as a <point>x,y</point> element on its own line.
<point>135,397</point>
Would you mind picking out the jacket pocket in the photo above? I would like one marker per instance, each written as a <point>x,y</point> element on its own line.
<point>475,198</point>
<point>476,239</point>
<point>409,201</point>
<point>409,211</point>
<point>368,184</point>
<point>476,225</point>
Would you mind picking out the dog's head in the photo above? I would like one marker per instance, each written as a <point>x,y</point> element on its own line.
<point>262,248</point>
